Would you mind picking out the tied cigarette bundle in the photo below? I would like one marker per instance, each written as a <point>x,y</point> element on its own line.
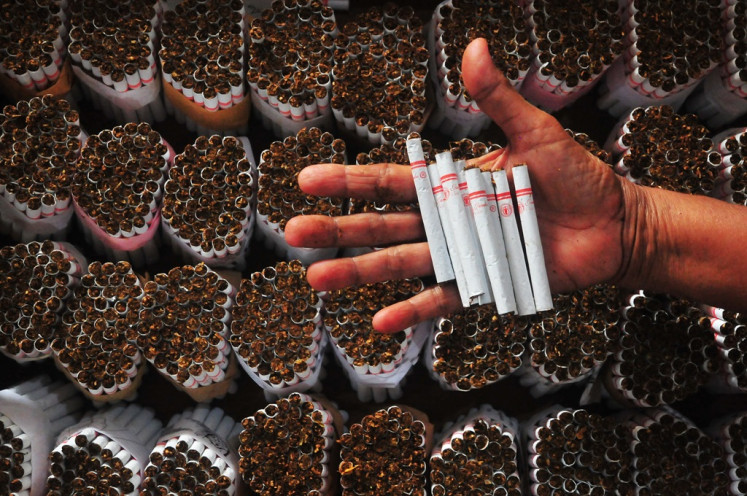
<point>573,44</point>
<point>577,452</point>
<point>381,63</point>
<point>39,144</point>
<point>667,351</point>
<point>287,447</point>
<point>290,64</point>
<point>375,363</point>
<point>454,25</point>
<point>385,454</point>
<point>279,197</point>
<point>276,329</point>
<point>731,433</point>
<point>477,455</point>
<point>105,453</point>
<point>181,329</point>
<point>655,147</point>
<point>38,279</point>
<point>669,47</point>
<point>209,200</point>
<point>117,189</point>
<point>196,454</point>
<point>15,458</point>
<point>730,332</point>
<point>475,347</point>
<point>731,183</point>
<point>670,453</point>
<point>92,344</point>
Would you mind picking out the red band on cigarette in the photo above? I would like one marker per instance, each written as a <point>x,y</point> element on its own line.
<point>225,105</point>
<point>503,196</point>
<point>417,164</point>
<point>462,185</point>
<point>477,194</point>
<point>448,177</point>
<point>54,76</point>
<point>285,113</point>
<point>438,189</point>
<point>133,86</point>
<point>522,192</point>
<point>146,81</point>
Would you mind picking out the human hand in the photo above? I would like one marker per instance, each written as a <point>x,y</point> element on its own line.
<point>580,205</point>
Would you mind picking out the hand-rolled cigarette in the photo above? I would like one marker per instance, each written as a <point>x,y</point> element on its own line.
<point>514,250</point>
<point>532,241</point>
<point>429,212</point>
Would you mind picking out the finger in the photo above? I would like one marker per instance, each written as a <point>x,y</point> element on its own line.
<point>369,229</point>
<point>434,302</point>
<point>381,182</point>
<point>396,262</point>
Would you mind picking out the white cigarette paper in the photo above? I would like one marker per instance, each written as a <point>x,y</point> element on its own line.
<point>429,212</point>
<point>514,249</point>
<point>532,241</point>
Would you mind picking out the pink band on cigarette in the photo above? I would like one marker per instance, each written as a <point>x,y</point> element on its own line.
<point>448,177</point>
<point>417,164</point>
<point>523,192</point>
<point>147,81</point>
<point>503,196</point>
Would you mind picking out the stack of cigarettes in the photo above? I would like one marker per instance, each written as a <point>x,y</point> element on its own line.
<point>731,183</point>
<point>473,234</point>
<point>573,45</point>
<point>92,345</point>
<point>568,346</point>
<point>287,447</point>
<point>31,42</point>
<point>667,351</point>
<point>276,329</point>
<point>26,439</point>
<point>683,158</point>
<point>181,329</point>
<point>375,363</point>
<point>577,452</point>
<point>117,191</point>
<point>731,433</point>
<point>196,454</point>
<point>379,78</point>
<point>475,347</point>
<point>38,279</point>
<point>384,454</point>
<point>209,200</point>
<point>105,453</point>
<point>454,25</point>
<point>477,454</point>
<point>591,146</point>
<point>669,48</point>
<point>40,140</point>
<point>290,64</point>
<point>730,331</point>
<point>669,452</point>
<point>279,197</point>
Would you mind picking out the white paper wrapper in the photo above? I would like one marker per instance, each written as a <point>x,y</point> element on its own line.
<point>714,103</point>
<point>282,126</point>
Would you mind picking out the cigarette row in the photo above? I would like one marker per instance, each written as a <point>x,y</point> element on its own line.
<point>367,446</point>
<point>194,454</point>
<point>731,183</point>
<point>38,281</point>
<point>730,333</point>
<point>731,434</point>
<point>274,462</point>
<point>153,111</point>
<point>276,328</point>
<point>93,342</point>
<point>591,146</point>
<point>486,254</point>
<point>732,68</point>
<point>56,400</point>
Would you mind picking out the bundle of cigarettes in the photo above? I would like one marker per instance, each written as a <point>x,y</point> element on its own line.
<point>472,231</point>
<point>181,329</point>
<point>290,64</point>
<point>195,454</point>
<point>375,363</point>
<point>287,447</point>
<point>279,197</point>
<point>475,347</point>
<point>381,63</point>
<point>112,48</point>
<point>38,280</point>
<point>669,48</point>
<point>731,182</point>
<point>477,454</point>
<point>209,199</point>
<point>730,332</point>
<point>202,65</point>
<point>26,439</point>
<point>276,329</point>
<point>40,140</point>
<point>573,45</point>
<point>453,26</point>
<point>32,51</point>
<point>731,433</point>
<point>578,452</point>
<point>92,346</point>
<point>683,158</point>
<point>117,189</point>
<point>105,453</point>
<point>568,346</point>
<point>669,453</point>
<point>667,351</point>
<point>591,146</point>
<point>385,454</point>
